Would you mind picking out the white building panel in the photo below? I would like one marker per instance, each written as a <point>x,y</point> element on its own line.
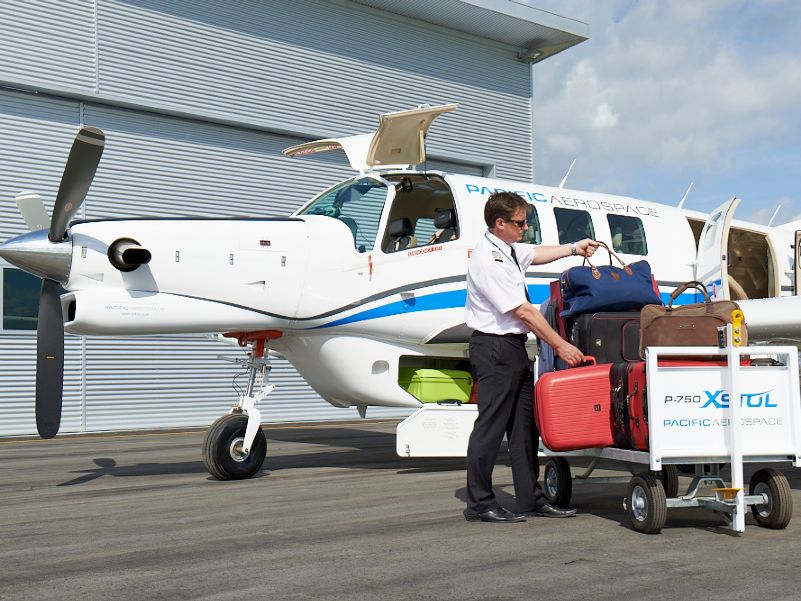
<point>49,43</point>
<point>326,68</point>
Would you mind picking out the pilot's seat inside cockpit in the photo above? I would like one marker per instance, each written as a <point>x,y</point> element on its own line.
<point>445,222</point>
<point>401,235</point>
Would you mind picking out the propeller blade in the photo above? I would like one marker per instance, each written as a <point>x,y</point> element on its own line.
<point>49,360</point>
<point>78,175</point>
<point>32,209</point>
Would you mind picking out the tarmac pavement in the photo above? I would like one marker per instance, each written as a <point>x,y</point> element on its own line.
<point>336,515</point>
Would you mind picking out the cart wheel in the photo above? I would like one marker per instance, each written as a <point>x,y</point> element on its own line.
<point>670,480</point>
<point>777,511</point>
<point>558,481</point>
<point>646,503</point>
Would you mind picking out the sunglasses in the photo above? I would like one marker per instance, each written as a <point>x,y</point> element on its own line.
<point>521,223</point>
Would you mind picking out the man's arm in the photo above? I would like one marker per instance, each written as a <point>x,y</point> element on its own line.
<point>546,254</point>
<point>534,320</point>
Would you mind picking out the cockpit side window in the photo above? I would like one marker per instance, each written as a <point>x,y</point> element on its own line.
<point>423,213</point>
<point>573,225</point>
<point>356,203</point>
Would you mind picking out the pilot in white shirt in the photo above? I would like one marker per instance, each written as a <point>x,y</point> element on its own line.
<point>499,312</point>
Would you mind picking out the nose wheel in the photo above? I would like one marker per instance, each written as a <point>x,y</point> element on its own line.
<point>235,446</point>
<point>223,449</point>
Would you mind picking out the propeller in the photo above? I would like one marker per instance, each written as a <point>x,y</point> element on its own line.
<point>78,175</point>
<point>49,360</point>
<point>79,172</point>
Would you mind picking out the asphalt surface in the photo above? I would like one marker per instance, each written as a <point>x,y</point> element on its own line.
<point>336,515</point>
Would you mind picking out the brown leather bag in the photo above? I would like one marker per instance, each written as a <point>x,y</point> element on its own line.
<point>688,325</point>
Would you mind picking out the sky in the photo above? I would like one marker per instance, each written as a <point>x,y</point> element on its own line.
<point>668,93</point>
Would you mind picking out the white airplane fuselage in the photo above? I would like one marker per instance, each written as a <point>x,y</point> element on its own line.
<point>348,307</point>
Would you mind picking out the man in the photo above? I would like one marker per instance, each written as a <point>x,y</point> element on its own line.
<point>499,311</point>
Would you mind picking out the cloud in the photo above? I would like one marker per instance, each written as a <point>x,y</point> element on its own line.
<point>604,118</point>
<point>673,90</point>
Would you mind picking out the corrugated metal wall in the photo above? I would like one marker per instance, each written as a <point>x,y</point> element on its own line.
<point>213,93</point>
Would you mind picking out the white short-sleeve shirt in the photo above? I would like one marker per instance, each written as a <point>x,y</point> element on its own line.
<point>496,286</point>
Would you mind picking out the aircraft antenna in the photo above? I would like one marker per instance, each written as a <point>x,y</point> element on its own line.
<point>776,212</point>
<point>564,179</point>
<point>683,198</point>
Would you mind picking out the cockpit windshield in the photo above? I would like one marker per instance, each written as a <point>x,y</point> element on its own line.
<point>357,203</point>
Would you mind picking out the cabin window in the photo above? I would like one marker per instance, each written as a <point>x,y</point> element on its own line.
<point>356,203</point>
<point>573,225</point>
<point>20,300</point>
<point>533,235</point>
<point>628,234</point>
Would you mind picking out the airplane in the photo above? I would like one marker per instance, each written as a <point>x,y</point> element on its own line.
<point>364,280</point>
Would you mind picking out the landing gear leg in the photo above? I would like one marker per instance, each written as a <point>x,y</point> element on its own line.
<point>235,446</point>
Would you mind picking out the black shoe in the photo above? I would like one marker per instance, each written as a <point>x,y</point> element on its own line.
<point>495,514</point>
<point>549,511</point>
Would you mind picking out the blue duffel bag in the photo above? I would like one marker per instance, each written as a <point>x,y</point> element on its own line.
<point>590,288</point>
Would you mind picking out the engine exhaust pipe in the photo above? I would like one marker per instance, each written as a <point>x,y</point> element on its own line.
<point>126,254</point>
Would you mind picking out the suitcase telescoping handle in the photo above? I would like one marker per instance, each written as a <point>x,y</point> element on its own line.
<point>697,285</point>
<point>597,274</point>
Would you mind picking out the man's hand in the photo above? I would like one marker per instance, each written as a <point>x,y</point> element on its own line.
<point>586,248</point>
<point>571,355</point>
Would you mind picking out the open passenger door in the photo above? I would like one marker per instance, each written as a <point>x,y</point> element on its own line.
<point>399,141</point>
<point>711,265</point>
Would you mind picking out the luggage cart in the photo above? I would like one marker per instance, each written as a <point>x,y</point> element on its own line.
<point>692,419</point>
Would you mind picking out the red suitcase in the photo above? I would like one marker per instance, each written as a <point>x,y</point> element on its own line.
<point>573,408</point>
<point>638,406</point>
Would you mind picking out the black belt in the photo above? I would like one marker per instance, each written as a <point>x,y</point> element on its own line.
<point>520,337</point>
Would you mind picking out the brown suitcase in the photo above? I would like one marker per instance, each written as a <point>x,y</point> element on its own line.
<point>689,325</point>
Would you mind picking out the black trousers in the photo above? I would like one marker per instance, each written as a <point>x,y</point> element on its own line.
<point>505,406</point>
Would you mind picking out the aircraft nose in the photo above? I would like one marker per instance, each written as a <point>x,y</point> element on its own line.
<point>35,253</point>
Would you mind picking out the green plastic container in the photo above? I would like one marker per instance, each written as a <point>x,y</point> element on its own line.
<point>432,385</point>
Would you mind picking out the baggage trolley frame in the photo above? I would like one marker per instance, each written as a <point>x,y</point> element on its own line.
<point>700,426</point>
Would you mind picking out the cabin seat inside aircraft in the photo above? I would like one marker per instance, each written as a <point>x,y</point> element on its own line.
<point>617,238</point>
<point>445,222</point>
<point>401,235</point>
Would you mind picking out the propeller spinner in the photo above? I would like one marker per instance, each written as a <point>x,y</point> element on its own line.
<point>49,258</point>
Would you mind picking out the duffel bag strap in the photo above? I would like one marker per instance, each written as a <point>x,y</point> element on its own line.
<point>697,285</point>
<point>597,274</point>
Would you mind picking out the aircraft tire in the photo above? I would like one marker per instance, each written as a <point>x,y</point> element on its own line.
<point>219,449</point>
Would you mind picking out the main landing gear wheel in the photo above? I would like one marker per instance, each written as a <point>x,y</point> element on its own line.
<point>670,480</point>
<point>646,503</point>
<point>557,481</point>
<point>222,449</point>
<point>776,512</point>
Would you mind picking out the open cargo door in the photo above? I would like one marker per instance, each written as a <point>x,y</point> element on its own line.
<point>712,258</point>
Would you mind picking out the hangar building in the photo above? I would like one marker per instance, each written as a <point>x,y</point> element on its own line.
<point>197,98</point>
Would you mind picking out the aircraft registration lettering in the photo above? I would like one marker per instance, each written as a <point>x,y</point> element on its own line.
<point>425,249</point>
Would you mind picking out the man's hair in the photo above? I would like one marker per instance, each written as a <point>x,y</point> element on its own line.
<point>502,205</point>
